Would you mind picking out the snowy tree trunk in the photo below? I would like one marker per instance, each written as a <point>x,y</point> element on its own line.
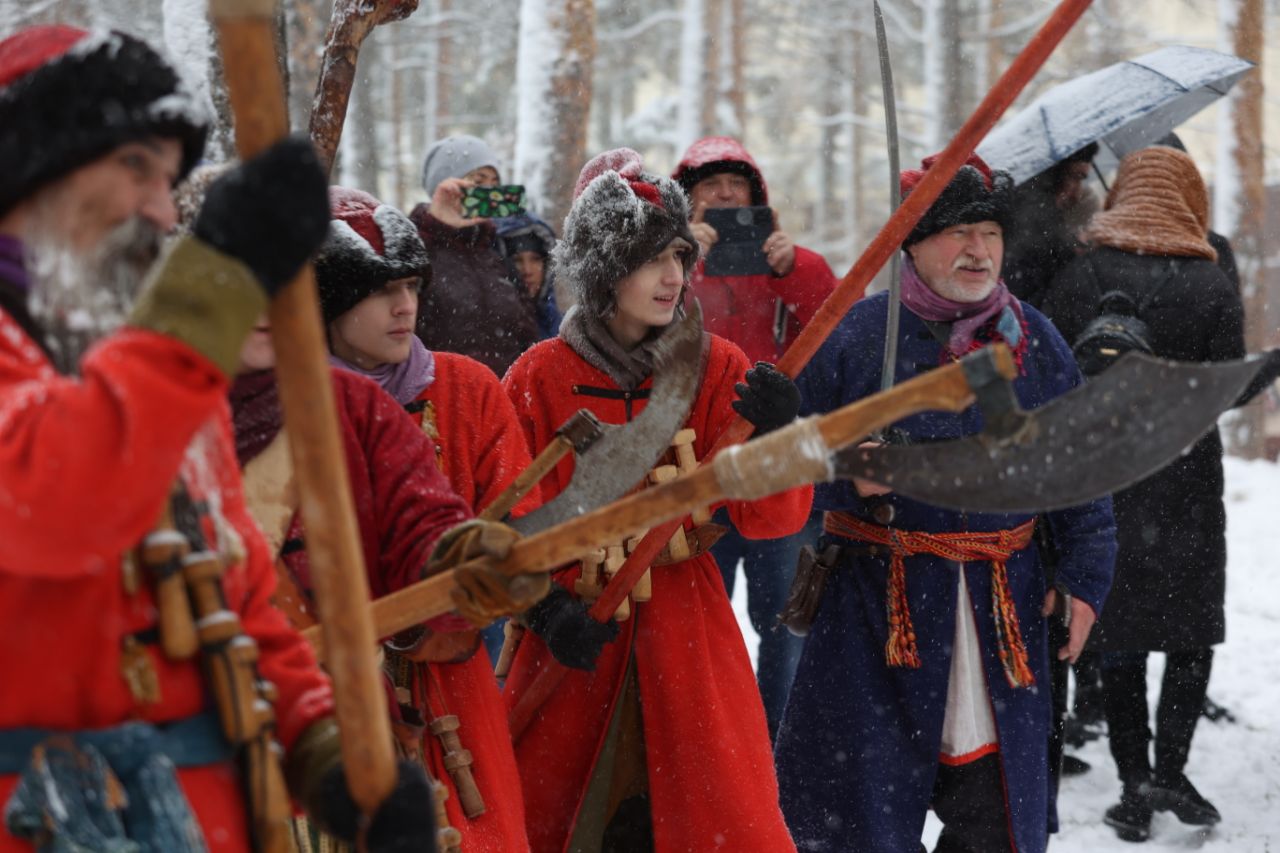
<point>307,21</point>
<point>553,101</point>
<point>943,71</point>
<point>693,75</point>
<point>1239,200</point>
<point>736,95</point>
<point>192,41</point>
<point>361,154</point>
<point>712,73</point>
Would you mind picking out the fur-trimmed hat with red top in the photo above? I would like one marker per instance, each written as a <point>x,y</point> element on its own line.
<point>67,97</point>
<point>621,217</point>
<point>369,245</point>
<point>1158,205</point>
<point>975,194</point>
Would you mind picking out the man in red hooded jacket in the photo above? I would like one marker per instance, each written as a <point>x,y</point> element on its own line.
<point>762,314</point>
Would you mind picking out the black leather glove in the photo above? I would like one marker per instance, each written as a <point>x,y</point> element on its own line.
<point>271,212</point>
<point>768,399</point>
<point>563,623</point>
<point>404,823</point>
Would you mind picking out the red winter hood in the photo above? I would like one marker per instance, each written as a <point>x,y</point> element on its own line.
<point>705,153</point>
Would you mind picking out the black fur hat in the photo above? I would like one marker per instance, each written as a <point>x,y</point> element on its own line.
<point>975,194</point>
<point>621,217</point>
<point>68,97</point>
<point>369,245</point>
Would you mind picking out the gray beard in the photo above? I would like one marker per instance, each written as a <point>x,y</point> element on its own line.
<point>80,297</point>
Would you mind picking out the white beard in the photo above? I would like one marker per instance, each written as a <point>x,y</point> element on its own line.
<point>79,297</point>
<point>948,288</point>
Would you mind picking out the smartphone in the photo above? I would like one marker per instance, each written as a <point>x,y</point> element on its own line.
<point>493,202</point>
<point>739,249</point>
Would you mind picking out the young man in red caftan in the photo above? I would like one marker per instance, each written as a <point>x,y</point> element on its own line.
<point>369,273</point>
<point>656,740</point>
<point>106,735</point>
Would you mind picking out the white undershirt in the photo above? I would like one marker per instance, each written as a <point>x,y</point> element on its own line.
<point>969,728</point>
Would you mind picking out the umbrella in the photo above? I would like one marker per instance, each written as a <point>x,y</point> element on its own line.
<point>1123,107</point>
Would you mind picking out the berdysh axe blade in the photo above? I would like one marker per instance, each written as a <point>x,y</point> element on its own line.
<point>623,455</point>
<point>1117,428</point>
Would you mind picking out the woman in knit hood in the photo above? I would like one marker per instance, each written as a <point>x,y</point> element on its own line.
<point>1150,242</point>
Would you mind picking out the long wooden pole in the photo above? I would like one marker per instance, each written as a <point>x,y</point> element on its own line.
<point>306,394</point>
<point>847,292</point>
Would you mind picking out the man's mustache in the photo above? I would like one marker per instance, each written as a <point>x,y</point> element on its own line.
<point>970,262</point>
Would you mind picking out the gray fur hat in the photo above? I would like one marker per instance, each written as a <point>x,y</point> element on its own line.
<point>453,157</point>
<point>621,217</point>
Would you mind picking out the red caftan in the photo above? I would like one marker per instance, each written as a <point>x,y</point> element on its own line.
<point>709,765</point>
<point>85,467</point>
<point>403,503</point>
<point>481,448</point>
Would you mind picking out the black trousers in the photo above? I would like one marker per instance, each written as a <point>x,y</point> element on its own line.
<point>969,800</point>
<point>1124,684</point>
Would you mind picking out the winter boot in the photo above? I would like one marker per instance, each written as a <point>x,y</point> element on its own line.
<point>1131,817</point>
<point>1179,796</point>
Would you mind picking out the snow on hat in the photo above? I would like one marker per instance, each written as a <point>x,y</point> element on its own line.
<point>67,97</point>
<point>975,194</point>
<point>714,155</point>
<point>369,244</point>
<point>453,157</point>
<point>621,217</point>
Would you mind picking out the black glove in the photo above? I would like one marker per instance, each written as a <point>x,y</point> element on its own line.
<point>768,399</point>
<point>271,212</point>
<point>404,823</point>
<point>563,623</point>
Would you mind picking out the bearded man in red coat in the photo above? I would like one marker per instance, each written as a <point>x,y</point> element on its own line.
<point>762,313</point>
<point>106,737</point>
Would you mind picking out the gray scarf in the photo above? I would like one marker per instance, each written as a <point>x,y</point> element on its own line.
<point>589,337</point>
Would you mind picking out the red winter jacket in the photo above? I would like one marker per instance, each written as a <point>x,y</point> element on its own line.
<point>745,309</point>
<point>85,467</point>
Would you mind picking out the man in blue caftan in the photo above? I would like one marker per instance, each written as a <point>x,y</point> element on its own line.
<point>924,679</point>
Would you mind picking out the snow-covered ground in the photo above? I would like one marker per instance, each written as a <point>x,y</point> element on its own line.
<point>1237,766</point>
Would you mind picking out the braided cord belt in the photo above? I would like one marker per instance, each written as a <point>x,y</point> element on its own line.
<point>995,547</point>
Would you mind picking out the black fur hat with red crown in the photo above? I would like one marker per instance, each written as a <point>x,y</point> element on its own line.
<point>369,245</point>
<point>68,97</point>
<point>622,216</point>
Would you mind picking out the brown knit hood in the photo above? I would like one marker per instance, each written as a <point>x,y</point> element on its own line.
<point>1158,205</point>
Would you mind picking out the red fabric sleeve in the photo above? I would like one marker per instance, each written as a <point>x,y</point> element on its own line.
<point>413,503</point>
<point>105,446</point>
<point>768,518</point>
<point>807,286</point>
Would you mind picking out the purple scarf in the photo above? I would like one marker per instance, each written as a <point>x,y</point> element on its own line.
<point>404,381</point>
<point>966,318</point>
<point>12,267</point>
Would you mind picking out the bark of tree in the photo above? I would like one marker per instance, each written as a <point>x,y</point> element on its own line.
<point>693,75</point>
<point>1240,202</point>
<point>736,93</point>
<point>306,22</point>
<point>712,70</point>
<point>944,71</point>
<point>554,81</point>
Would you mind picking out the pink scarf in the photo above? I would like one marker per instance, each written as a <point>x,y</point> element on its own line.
<point>966,318</point>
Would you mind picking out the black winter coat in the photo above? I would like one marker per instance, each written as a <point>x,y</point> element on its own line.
<point>1170,577</point>
<point>471,305</point>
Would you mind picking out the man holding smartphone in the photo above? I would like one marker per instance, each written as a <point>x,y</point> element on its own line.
<point>760,305</point>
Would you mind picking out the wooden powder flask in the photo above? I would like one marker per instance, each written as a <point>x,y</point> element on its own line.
<point>162,552</point>
<point>458,761</point>
<point>245,702</point>
<point>448,838</point>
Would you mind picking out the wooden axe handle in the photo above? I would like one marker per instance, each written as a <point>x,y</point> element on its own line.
<point>849,290</point>
<point>306,394</point>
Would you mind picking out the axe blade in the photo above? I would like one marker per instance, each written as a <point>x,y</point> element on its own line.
<point>1119,427</point>
<point>623,454</point>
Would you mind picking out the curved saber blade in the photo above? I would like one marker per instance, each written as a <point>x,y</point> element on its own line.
<point>623,455</point>
<point>1111,432</point>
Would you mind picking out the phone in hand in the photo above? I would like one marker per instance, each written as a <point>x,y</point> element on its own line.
<point>739,248</point>
<point>492,202</point>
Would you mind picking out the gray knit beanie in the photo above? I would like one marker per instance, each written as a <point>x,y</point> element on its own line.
<point>453,157</point>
